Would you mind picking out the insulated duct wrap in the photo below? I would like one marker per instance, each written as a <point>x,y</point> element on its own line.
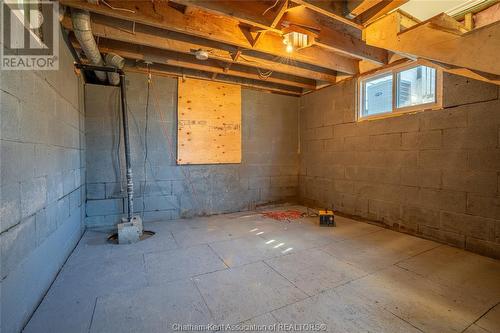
<point>83,32</point>
<point>114,60</point>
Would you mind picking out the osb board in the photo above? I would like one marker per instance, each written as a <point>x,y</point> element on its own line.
<point>208,122</point>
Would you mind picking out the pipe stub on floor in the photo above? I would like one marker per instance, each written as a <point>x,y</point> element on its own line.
<point>113,239</point>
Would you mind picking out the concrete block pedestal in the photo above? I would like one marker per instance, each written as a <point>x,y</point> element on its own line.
<point>130,232</point>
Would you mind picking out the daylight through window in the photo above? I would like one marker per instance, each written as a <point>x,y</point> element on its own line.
<point>399,90</point>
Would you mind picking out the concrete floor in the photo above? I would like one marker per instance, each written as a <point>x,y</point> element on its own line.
<point>243,268</point>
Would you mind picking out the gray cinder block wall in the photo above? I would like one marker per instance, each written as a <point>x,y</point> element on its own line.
<point>434,173</point>
<point>42,170</point>
<point>163,190</point>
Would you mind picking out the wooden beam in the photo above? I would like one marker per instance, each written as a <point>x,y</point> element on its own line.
<point>352,47</point>
<point>476,75</point>
<point>310,19</point>
<point>493,79</point>
<point>248,11</point>
<point>441,22</point>
<point>476,50</point>
<point>158,56</point>
<point>279,15</point>
<point>125,31</point>
<point>379,10</point>
<point>335,40</point>
<point>357,7</point>
<point>212,27</point>
<point>469,21</point>
<point>196,23</point>
<point>169,71</point>
<point>331,8</point>
<point>332,40</point>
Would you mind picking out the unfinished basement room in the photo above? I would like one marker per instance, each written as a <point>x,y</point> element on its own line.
<point>250,166</point>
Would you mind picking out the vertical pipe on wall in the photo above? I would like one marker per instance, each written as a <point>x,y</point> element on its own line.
<point>130,184</point>
<point>126,140</point>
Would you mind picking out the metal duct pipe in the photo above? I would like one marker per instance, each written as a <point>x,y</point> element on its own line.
<point>83,32</point>
<point>114,60</point>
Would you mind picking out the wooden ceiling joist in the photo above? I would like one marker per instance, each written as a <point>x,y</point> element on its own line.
<point>216,28</point>
<point>379,10</point>
<point>249,12</point>
<point>331,8</point>
<point>243,39</point>
<point>172,71</point>
<point>329,37</point>
<point>366,11</point>
<point>357,7</point>
<point>158,56</point>
<point>476,75</point>
<point>125,31</point>
<point>441,22</point>
<point>333,39</point>
<point>439,40</point>
<point>282,7</point>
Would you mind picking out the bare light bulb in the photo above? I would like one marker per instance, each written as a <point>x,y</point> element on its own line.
<point>289,48</point>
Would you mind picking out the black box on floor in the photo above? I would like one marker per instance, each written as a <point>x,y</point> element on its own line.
<point>326,218</point>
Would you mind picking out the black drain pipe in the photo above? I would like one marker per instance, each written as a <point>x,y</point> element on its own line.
<point>130,183</point>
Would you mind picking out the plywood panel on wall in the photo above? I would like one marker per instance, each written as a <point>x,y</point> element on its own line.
<point>209,122</point>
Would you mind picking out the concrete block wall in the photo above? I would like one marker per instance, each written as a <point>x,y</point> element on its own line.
<point>434,173</point>
<point>163,190</point>
<point>42,193</point>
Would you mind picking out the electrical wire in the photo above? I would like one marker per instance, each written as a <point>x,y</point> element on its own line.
<point>116,162</point>
<point>118,8</point>
<point>136,124</point>
<point>146,150</point>
<point>267,74</point>
<point>248,60</point>
<point>119,161</point>
<point>185,171</point>
<point>275,4</point>
<point>262,75</point>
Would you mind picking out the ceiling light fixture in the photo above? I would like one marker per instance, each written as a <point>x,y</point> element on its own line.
<point>201,54</point>
<point>295,40</point>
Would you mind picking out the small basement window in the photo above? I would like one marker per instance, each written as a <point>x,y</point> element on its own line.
<point>401,89</point>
